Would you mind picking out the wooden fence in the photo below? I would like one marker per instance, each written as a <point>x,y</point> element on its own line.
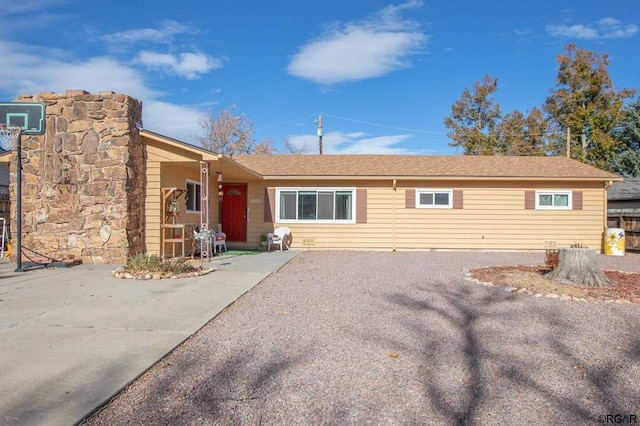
<point>631,226</point>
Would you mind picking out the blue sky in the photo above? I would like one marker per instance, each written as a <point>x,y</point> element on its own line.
<point>383,75</point>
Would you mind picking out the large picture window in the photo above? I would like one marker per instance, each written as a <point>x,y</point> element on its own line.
<point>192,199</point>
<point>315,205</point>
<point>553,200</point>
<point>434,198</point>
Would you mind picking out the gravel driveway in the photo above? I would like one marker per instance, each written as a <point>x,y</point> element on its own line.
<point>354,337</point>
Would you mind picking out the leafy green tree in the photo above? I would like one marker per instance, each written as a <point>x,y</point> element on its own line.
<point>520,135</point>
<point>474,119</point>
<point>586,103</point>
<point>477,125</point>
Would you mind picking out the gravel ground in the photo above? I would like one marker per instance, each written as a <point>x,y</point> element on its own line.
<point>353,337</point>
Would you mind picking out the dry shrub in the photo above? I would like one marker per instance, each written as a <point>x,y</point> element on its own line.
<point>142,263</point>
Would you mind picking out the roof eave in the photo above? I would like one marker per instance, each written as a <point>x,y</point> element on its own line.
<point>206,154</point>
<point>245,169</point>
<point>443,178</point>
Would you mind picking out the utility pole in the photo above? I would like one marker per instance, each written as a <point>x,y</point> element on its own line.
<point>320,134</point>
<point>569,142</point>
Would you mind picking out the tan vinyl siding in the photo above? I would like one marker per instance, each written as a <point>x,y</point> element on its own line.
<point>176,175</point>
<point>493,217</point>
<point>269,205</point>
<point>328,235</point>
<point>257,209</point>
<point>152,208</point>
<point>161,175</point>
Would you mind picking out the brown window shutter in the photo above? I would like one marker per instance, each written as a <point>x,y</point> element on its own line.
<point>361,206</point>
<point>458,202</point>
<point>410,199</point>
<point>269,204</point>
<point>577,200</point>
<point>529,200</point>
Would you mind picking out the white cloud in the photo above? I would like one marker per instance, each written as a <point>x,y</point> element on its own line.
<point>176,121</point>
<point>361,50</point>
<point>23,74</point>
<point>17,17</point>
<point>353,143</point>
<point>188,65</point>
<point>605,28</point>
<point>164,34</point>
<point>376,145</point>
<point>20,7</point>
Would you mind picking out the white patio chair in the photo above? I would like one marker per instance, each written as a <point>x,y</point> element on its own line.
<point>279,237</point>
<point>219,241</point>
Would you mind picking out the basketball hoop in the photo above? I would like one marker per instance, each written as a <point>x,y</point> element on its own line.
<point>8,136</point>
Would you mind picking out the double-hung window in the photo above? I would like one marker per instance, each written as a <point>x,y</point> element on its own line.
<point>434,198</point>
<point>553,200</point>
<point>315,205</point>
<point>193,196</point>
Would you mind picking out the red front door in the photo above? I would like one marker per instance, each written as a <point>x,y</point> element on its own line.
<point>234,211</point>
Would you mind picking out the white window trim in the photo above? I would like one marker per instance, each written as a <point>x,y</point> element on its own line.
<point>434,191</point>
<point>197,202</point>
<point>319,221</point>
<point>569,194</point>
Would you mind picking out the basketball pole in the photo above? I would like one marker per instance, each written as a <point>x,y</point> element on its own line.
<point>19,206</point>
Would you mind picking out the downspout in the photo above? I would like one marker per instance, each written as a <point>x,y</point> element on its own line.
<point>393,216</point>
<point>606,214</point>
<point>607,185</point>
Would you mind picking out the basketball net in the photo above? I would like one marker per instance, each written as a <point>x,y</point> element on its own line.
<point>8,135</point>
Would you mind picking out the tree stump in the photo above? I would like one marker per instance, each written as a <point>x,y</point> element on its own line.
<point>579,266</point>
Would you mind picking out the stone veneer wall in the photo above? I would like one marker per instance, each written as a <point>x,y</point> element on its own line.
<point>83,180</point>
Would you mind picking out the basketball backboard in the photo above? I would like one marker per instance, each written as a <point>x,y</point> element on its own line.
<point>28,116</point>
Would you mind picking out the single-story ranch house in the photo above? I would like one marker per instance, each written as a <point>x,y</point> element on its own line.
<point>98,187</point>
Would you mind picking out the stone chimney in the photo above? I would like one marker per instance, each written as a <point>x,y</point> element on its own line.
<point>83,180</point>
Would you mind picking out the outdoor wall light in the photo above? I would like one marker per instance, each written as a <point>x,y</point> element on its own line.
<point>220,192</point>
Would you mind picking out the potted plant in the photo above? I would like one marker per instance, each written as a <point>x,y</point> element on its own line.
<point>263,240</point>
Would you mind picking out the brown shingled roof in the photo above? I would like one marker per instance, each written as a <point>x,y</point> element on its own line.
<point>416,166</point>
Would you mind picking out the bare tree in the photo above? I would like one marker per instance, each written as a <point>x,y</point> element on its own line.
<point>265,147</point>
<point>298,149</point>
<point>226,133</point>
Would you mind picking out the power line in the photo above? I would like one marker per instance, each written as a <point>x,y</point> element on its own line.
<point>352,120</point>
<point>286,122</point>
<point>386,126</point>
<point>369,123</point>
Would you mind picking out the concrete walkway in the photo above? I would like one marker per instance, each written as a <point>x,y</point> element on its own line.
<point>71,338</point>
